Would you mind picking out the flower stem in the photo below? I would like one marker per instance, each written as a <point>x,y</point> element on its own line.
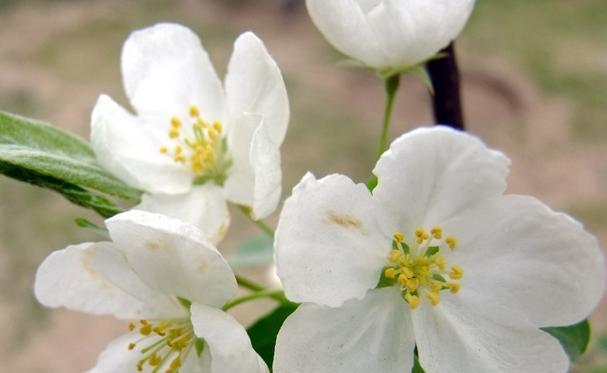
<point>268,293</point>
<point>391,84</point>
<point>260,223</point>
<point>253,286</point>
<point>248,284</point>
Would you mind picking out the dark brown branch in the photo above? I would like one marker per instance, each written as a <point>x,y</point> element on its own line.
<point>447,102</point>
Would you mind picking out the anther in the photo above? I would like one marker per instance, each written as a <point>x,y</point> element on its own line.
<point>440,262</point>
<point>399,236</point>
<point>412,284</point>
<point>437,233</point>
<point>146,329</point>
<point>451,242</point>
<point>413,300</point>
<point>453,286</point>
<point>390,272</point>
<point>175,122</point>
<point>194,111</point>
<point>456,273</point>
<point>434,298</point>
<point>395,256</point>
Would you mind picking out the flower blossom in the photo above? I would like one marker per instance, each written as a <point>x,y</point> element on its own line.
<point>436,257</point>
<point>195,143</point>
<point>390,35</point>
<point>162,274</point>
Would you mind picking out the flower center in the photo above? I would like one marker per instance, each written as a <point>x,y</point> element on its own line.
<point>418,267</point>
<point>199,146</point>
<point>164,344</point>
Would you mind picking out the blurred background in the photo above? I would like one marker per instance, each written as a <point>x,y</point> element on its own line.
<point>534,82</point>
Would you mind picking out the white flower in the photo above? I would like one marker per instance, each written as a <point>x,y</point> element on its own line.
<point>390,34</point>
<point>191,145</point>
<point>468,274</point>
<point>162,273</point>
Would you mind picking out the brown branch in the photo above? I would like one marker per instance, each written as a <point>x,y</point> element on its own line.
<point>445,77</point>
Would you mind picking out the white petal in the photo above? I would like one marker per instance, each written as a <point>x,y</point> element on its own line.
<point>329,247</point>
<point>255,176</point>
<point>95,278</point>
<point>468,333</point>
<point>130,150</point>
<point>540,262</point>
<point>173,257</point>
<point>204,206</point>
<point>344,24</point>
<point>165,70</point>
<point>265,159</point>
<point>254,84</point>
<point>117,358</point>
<point>227,340</point>
<point>413,31</point>
<point>390,33</point>
<point>363,336</point>
<point>240,185</point>
<point>432,174</point>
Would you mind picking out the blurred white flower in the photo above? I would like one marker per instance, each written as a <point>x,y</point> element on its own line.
<point>435,257</point>
<point>390,35</point>
<point>165,274</point>
<point>191,146</point>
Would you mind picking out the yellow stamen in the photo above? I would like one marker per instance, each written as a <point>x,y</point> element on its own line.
<point>390,272</point>
<point>412,284</point>
<point>440,262</point>
<point>456,273</point>
<point>434,297</point>
<point>420,271</point>
<point>437,232</point>
<point>146,329</point>
<point>451,242</point>
<point>194,111</point>
<point>413,300</point>
<point>395,256</point>
<point>453,286</point>
<point>175,122</point>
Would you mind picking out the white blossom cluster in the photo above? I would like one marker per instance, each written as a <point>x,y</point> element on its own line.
<point>435,263</point>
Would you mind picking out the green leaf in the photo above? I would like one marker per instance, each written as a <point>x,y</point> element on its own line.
<point>264,331</point>
<point>257,251</point>
<point>574,338</point>
<point>72,192</point>
<point>40,150</point>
